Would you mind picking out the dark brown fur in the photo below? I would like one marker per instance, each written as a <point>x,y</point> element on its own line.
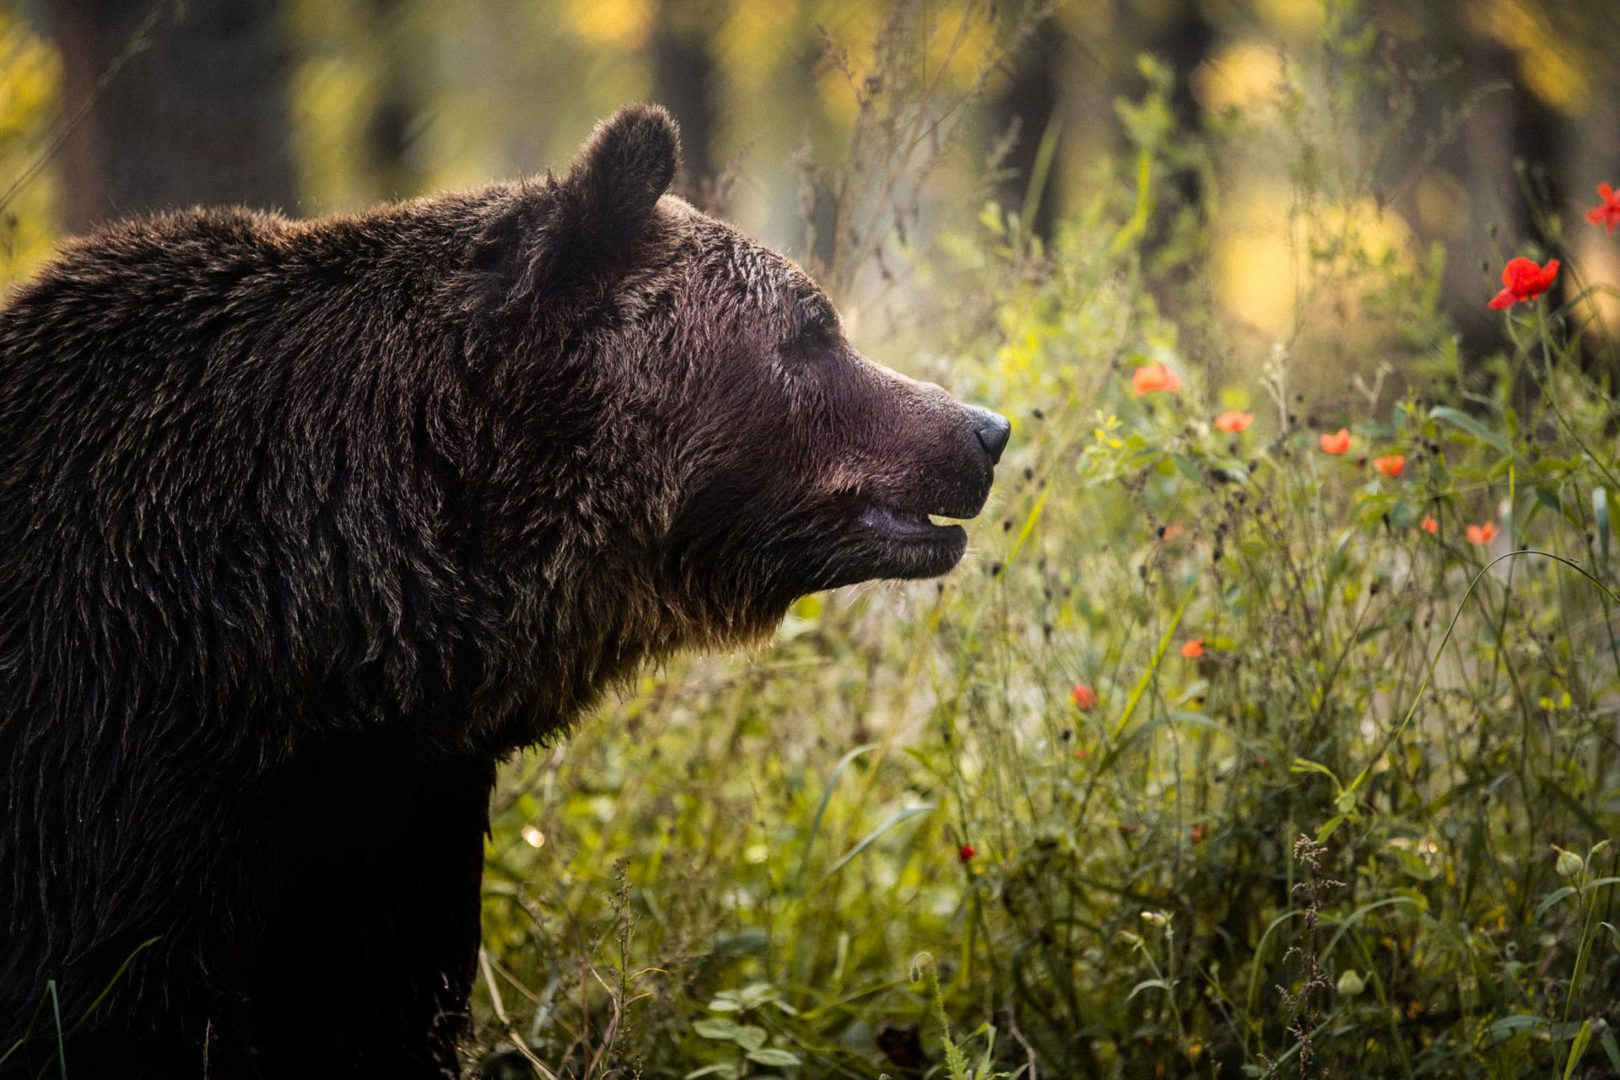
<point>304,525</point>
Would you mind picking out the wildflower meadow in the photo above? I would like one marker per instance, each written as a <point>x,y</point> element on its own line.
<point>1269,730</point>
<point>1270,727</point>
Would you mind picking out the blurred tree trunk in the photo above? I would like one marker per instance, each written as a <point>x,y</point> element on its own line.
<point>684,83</point>
<point>1183,41</point>
<point>1031,98</point>
<point>187,105</point>
<point>1510,129</point>
<point>394,122</point>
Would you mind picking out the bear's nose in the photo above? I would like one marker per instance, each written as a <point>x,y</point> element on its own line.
<point>992,429</point>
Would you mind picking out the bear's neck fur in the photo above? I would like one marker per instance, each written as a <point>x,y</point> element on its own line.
<point>302,527</point>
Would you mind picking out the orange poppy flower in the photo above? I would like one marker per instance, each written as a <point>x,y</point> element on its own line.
<point>1193,648</point>
<point>1481,534</point>
<point>1084,697</point>
<point>1391,465</point>
<point>1151,377</point>
<point>1198,833</point>
<point>1232,422</point>
<point>1429,525</point>
<point>1522,279</point>
<point>1607,212</point>
<point>1336,443</point>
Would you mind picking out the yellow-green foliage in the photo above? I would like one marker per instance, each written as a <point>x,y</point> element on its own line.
<point>30,71</point>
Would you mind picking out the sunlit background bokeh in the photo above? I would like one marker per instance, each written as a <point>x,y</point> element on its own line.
<point>1298,206</point>
<point>339,104</point>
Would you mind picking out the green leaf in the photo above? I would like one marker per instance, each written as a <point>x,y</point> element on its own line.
<point>1583,1038</point>
<point>1149,984</point>
<point>1600,511</point>
<point>1152,669</point>
<point>826,797</point>
<point>1611,1049</point>
<point>990,218</point>
<point>1460,419</point>
<point>1304,765</point>
<point>1188,467</point>
<point>775,1056</point>
<point>756,994</point>
<point>1509,1026</point>
<point>727,1069</point>
<point>1411,864</point>
<point>872,837</point>
<point>1144,124</point>
<point>1552,898</point>
<point>716,1029</point>
<point>749,1037</point>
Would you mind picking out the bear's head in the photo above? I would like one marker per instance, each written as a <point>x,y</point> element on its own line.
<point>768,458</point>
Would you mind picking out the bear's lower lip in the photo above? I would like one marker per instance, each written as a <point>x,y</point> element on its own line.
<point>904,525</point>
<point>880,542</point>
<point>910,545</point>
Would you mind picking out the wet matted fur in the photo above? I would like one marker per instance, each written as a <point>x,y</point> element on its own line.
<point>304,525</point>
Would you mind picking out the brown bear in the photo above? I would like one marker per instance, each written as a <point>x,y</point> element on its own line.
<point>305,525</point>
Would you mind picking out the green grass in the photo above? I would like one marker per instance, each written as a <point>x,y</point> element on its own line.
<point>1329,845</point>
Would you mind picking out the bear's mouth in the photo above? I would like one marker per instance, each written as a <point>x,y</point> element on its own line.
<point>908,526</point>
<point>904,543</point>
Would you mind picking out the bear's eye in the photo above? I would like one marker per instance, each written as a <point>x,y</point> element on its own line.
<point>813,339</point>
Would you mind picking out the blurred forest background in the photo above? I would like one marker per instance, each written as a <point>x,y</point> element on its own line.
<point>1169,778</point>
<point>114,107</point>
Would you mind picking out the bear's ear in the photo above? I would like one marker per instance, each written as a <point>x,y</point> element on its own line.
<point>626,164</point>
<point>585,224</point>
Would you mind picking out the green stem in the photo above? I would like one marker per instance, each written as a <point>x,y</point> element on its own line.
<point>1549,391</point>
<point>1434,661</point>
<point>1582,954</point>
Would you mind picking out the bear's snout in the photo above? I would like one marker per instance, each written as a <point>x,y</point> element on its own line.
<point>957,470</point>
<point>993,430</point>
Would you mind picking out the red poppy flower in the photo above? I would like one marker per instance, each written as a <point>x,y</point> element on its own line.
<point>1481,534</point>
<point>1151,377</point>
<point>1084,697</point>
<point>1391,465</point>
<point>1429,525</point>
<point>1198,833</point>
<point>965,852</point>
<point>1607,212</point>
<point>1193,648</point>
<point>1336,443</point>
<point>1233,421</point>
<point>1522,279</point>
